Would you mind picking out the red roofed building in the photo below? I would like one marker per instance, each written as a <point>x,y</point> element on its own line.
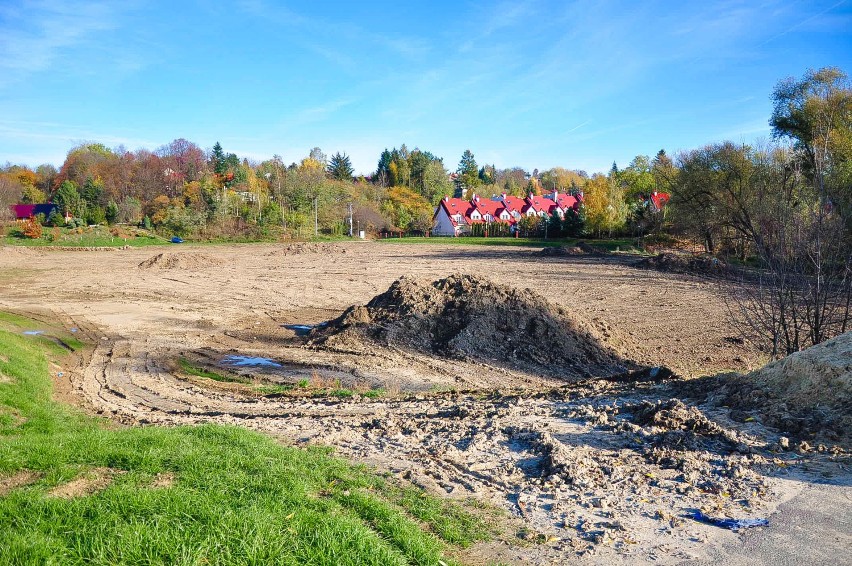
<point>539,206</point>
<point>565,201</point>
<point>658,201</point>
<point>454,216</point>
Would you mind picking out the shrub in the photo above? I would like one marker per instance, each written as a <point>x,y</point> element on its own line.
<point>31,228</point>
<point>55,218</point>
<point>96,215</point>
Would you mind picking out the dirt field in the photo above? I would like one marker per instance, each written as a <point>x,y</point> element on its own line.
<point>593,470</point>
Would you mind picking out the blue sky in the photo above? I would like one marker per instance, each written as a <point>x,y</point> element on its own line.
<point>534,84</point>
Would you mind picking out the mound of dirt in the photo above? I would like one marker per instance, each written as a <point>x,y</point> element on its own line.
<point>299,248</point>
<point>179,261</point>
<point>805,394</point>
<point>582,248</point>
<point>472,318</point>
<point>687,264</point>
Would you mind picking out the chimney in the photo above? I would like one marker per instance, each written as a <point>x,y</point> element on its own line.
<point>446,198</point>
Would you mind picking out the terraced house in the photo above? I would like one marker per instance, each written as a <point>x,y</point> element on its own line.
<point>455,216</point>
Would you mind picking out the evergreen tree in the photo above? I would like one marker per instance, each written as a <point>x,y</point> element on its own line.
<point>383,169</point>
<point>220,167</point>
<point>573,225</point>
<point>112,212</point>
<point>340,167</point>
<point>468,173</point>
<point>67,198</point>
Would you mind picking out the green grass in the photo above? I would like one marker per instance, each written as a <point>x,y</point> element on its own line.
<point>53,337</point>
<point>612,244</point>
<point>191,369</point>
<point>98,236</point>
<point>479,241</point>
<point>302,387</point>
<point>238,497</point>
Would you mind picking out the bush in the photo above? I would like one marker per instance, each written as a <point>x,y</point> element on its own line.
<point>96,215</point>
<point>56,218</point>
<point>112,212</point>
<point>31,228</point>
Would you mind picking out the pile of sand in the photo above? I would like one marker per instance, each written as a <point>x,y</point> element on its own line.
<point>180,261</point>
<point>472,318</point>
<point>807,393</point>
<point>687,264</point>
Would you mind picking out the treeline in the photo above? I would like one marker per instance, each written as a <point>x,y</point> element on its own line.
<point>718,193</point>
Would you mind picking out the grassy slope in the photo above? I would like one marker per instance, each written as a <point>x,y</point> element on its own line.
<point>91,237</point>
<point>238,497</point>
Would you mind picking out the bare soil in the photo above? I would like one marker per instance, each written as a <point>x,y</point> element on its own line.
<point>17,480</point>
<point>591,469</point>
<point>91,481</point>
<point>180,261</point>
<point>465,317</point>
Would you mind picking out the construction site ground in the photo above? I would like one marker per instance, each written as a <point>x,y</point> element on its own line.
<point>586,470</point>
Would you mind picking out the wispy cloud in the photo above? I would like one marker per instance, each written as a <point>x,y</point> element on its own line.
<point>33,35</point>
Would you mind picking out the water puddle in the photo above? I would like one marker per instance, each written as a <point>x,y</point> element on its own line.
<point>33,332</point>
<point>304,329</point>
<point>248,361</point>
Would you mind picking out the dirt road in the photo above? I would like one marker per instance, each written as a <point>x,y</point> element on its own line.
<point>592,471</point>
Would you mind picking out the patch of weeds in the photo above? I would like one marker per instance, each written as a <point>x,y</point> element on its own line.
<point>189,368</point>
<point>273,389</point>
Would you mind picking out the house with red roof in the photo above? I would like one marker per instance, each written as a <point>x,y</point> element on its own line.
<point>455,216</point>
<point>658,201</point>
<point>24,211</point>
<point>539,206</point>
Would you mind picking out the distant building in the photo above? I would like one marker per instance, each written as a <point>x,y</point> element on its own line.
<point>455,216</point>
<point>24,211</point>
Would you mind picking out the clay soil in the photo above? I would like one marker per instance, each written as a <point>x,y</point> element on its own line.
<point>586,469</point>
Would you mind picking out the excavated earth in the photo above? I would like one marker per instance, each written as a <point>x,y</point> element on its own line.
<point>466,317</point>
<point>590,462</point>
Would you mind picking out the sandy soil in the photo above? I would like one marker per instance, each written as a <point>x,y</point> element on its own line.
<point>590,471</point>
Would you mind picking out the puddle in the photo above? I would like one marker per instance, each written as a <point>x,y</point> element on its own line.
<point>33,332</point>
<point>244,361</point>
<point>303,329</point>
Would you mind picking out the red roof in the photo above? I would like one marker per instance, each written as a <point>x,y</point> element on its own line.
<point>22,211</point>
<point>485,206</point>
<point>659,200</point>
<point>541,204</point>
<point>455,206</point>
<point>567,201</point>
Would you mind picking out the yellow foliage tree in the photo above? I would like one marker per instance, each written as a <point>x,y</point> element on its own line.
<point>606,210</point>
